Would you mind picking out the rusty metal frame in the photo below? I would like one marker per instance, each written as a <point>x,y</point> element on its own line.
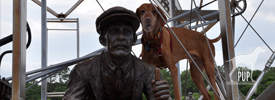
<point>60,15</point>
<point>48,9</point>
<point>19,49</point>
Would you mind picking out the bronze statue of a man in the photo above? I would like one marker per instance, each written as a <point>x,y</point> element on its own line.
<point>115,74</point>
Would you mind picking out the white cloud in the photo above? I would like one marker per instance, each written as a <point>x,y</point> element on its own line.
<point>270,17</point>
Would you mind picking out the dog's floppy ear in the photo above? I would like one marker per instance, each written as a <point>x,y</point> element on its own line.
<point>137,13</point>
<point>161,22</point>
<point>135,36</point>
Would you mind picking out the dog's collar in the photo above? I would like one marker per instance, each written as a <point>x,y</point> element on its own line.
<point>156,37</point>
<point>153,43</point>
<point>158,45</point>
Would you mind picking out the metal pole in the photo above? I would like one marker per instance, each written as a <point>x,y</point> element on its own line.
<point>173,18</point>
<point>43,78</point>
<point>44,74</point>
<point>228,50</point>
<point>73,7</point>
<point>19,49</point>
<point>77,38</point>
<point>206,16</point>
<point>178,66</point>
<point>49,9</point>
<point>267,94</point>
<point>203,24</point>
<point>44,48</point>
<point>67,63</point>
<point>260,77</point>
<point>55,93</point>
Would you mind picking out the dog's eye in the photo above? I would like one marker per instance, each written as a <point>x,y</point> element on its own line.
<point>154,11</point>
<point>142,11</point>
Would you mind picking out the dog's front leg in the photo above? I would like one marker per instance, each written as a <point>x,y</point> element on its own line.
<point>169,60</point>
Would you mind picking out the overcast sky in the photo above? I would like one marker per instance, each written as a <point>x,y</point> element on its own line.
<point>62,44</point>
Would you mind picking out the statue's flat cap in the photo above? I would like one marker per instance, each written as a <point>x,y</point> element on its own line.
<point>116,13</point>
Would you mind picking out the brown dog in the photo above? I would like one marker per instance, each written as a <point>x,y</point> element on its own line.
<point>157,40</point>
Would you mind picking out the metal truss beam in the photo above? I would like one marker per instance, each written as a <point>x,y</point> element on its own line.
<point>228,50</point>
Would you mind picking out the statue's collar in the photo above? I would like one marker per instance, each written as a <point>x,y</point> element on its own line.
<point>111,68</point>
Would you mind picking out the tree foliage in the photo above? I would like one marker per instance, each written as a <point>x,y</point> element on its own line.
<point>58,83</point>
<point>267,80</point>
<point>34,92</point>
<point>55,83</point>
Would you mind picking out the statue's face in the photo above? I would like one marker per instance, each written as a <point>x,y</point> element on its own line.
<point>119,39</point>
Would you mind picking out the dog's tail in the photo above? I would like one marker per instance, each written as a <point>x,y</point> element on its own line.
<point>216,39</point>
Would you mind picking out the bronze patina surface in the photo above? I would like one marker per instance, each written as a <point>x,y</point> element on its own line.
<point>116,74</point>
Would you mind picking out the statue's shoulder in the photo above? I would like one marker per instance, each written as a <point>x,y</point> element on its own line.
<point>89,65</point>
<point>143,66</point>
<point>142,63</point>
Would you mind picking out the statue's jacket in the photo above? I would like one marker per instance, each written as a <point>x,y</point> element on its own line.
<point>86,83</point>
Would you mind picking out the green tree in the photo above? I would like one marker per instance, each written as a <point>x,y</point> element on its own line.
<point>267,80</point>
<point>190,86</point>
<point>58,82</point>
<point>196,95</point>
<point>34,92</point>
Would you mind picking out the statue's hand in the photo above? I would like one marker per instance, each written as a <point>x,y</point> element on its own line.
<point>160,90</point>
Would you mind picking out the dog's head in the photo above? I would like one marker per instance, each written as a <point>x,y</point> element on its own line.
<point>149,17</point>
